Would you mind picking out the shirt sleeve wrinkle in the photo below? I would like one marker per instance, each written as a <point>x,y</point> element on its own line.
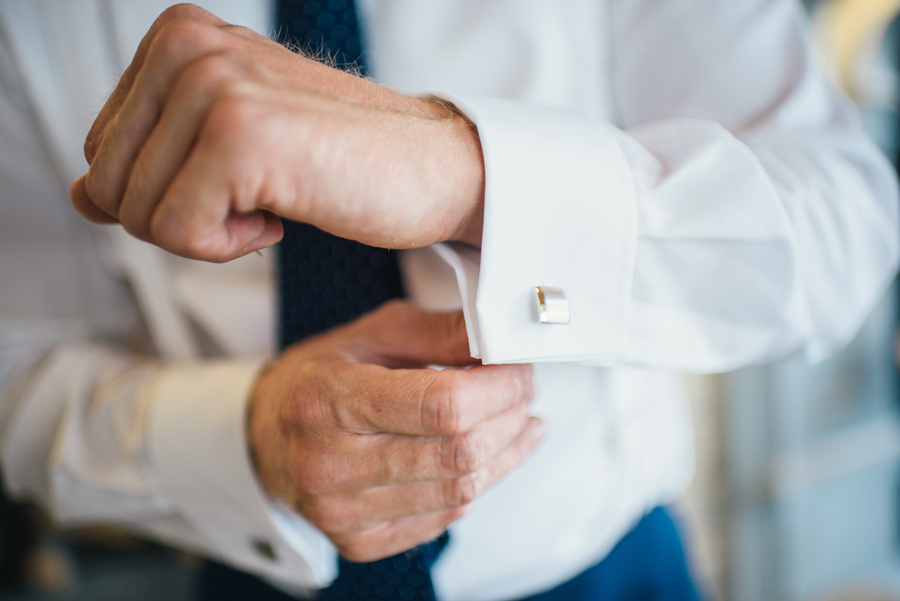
<point>97,436</point>
<point>765,219</point>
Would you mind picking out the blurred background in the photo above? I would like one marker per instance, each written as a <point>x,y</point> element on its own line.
<point>797,492</point>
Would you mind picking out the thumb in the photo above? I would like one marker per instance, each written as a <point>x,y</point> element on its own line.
<point>412,336</point>
<point>84,205</point>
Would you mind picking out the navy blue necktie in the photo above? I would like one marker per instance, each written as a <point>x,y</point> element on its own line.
<point>325,281</point>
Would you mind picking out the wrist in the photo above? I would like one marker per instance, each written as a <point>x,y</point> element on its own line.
<point>461,166</point>
<point>265,444</point>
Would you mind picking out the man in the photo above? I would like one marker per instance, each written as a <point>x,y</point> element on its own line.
<point>683,174</point>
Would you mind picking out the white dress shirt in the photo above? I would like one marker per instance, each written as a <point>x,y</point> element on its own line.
<point>681,170</point>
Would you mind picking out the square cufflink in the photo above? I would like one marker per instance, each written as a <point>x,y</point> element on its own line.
<point>552,305</point>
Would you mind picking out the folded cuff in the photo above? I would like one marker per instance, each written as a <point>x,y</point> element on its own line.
<point>199,446</point>
<point>559,211</point>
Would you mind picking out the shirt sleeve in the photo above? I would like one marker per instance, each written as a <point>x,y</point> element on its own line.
<point>733,212</point>
<point>93,428</point>
<point>95,435</point>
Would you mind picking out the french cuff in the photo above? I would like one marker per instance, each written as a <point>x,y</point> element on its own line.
<point>559,225</point>
<point>199,448</point>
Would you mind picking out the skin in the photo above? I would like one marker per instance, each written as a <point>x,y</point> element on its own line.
<point>378,451</point>
<point>215,132</point>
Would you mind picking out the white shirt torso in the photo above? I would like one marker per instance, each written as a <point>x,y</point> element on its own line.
<point>687,186</point>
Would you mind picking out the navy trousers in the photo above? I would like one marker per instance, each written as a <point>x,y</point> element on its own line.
<point>648,564</point>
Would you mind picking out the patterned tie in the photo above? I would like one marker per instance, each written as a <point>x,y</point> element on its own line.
<point>325,281</point>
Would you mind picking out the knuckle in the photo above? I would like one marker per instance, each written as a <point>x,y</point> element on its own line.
<point>342,419</point>
<point>233,121</point>
<point>182,10</point>
<point>461,491</point>
<point>175,38</point>
<point>99,191</point>
<point>447,418</point>
<point>207,72</point>
<point>329,384</point>
<point>233,107</point>
<point>391,468</point>
<point>466,453</point>
<point>179,238</point>
<point>442,411</point>
<point>526,383</point>
<point>180,35</point>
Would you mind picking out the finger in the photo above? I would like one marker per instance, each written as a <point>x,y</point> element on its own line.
<point>123,88</point>
<point>427,402</point>
<point>260,236</point>
<point>196,218</point>
<point>242,234</point>
<point>84,205</point>
<point>409,335</point>
<point>126,130</point>
<point>385,459</point>
<point>168,144</point>
<point>390,503</point>
<point>391,539</point>
<point>396,501</point>
<point>403,459</point>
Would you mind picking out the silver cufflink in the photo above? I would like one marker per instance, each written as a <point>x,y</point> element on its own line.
<point>552,305</point>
